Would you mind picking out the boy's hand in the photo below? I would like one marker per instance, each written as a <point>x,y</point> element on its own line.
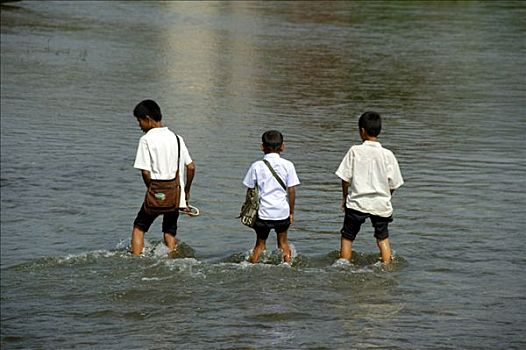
<point>291,196</point>
<point>345,193</point>
<point>342,205</point>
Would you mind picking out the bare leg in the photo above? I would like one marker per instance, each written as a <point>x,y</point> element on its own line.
<point>170,241</point>
<point>385,250</point>
<point>258,249</point>
<point>137,241</point>
<point>346,249</point>
<point>284,246</point>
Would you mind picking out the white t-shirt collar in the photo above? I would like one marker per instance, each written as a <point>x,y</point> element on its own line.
<point>271,155</point>
<point>372,143</point>
<point>159,129</point>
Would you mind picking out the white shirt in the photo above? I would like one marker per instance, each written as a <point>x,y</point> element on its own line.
<point>157,153</point>
<point>372,172</point>
<point>273,203</point>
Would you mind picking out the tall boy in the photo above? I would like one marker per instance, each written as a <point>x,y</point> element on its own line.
<point>157,159</point>
<point>372,174</point>
<point>276,205</point>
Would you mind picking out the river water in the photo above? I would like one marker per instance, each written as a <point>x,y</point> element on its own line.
<point>449,80</point>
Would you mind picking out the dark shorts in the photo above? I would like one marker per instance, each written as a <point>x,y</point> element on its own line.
<point>144,221</point>
<point>354,220</point>
<point>263,227</point>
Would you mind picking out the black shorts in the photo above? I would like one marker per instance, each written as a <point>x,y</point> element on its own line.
<point>144,221</point>
<point>263,227</point>
<point>354,220</point>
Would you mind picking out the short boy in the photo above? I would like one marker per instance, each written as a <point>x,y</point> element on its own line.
<point>276,204</point>
<point>372,174</point>
<point>156,157</point>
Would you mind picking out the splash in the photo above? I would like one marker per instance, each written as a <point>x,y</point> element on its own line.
<point>157,249</point>
<point>366,262</point>
<point>269,257</point>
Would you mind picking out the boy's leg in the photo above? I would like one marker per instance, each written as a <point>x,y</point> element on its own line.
<point>260,247</point>
<point>345,248</point>
<point>351,226</point>
<point>170,241</point>
<point>141,224</point>
<point>137,241</point>
<point>381,232</point>
<point>262,230</point>
<point>281,227</point>
<point>283,244</point>
<point>385,250</point>
<point>170,230</point>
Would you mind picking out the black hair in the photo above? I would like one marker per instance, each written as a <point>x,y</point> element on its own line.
<point>272,140</point>
<point>148,108</point>
<point>371,122</point>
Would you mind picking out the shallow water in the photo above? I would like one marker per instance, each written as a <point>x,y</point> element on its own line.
<point>449,79</point>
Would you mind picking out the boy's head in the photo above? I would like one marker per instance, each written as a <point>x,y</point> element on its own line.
<point>371,123</point>
<point>148,108</point>
<point>272,141</point>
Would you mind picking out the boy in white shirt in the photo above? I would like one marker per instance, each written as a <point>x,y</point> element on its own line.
<point>156,157</point>
<point>372,173</point>
<point>276,204</point>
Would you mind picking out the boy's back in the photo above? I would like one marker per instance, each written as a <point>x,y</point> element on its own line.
<point>277,194</point>
<point>372,172</point>
<point>157,153</point>
<point>273,198</point>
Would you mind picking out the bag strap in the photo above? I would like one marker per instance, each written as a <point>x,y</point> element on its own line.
<point>178,154</point>
<point>178,151</point>
<point>275,175</point>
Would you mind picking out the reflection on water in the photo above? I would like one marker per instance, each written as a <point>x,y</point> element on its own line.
<point>448,77</point>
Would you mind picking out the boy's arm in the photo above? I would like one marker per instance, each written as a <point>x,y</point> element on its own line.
<point>345,193</point>
<point>190,172</point>
<point>146,177</point>
<point>291,194</point>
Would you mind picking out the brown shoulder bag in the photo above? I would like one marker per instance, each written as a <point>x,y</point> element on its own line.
<point>163,196</point>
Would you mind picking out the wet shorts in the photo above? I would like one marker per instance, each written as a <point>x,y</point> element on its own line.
<point>354,220</point>
<point>144,221</point>
<point>263,227</point>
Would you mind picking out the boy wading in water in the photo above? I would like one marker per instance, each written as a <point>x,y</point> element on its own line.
<point>276,204</point>
<point>156,157</point>
<point>371,172</point>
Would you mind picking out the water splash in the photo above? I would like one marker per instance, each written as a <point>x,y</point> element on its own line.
<point>157,249</point>
<point>366,262</point>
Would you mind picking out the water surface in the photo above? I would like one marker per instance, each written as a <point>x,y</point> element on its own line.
<point>449,79</point>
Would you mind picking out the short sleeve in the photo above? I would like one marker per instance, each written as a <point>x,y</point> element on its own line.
<point>185,155</point>
<point>344,171</point>
<point>250,177</point>
<point>143,158</point>
<point>395,176</point>
<point>292,177</point>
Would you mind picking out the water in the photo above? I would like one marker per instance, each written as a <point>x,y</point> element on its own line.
<point>449,79</point>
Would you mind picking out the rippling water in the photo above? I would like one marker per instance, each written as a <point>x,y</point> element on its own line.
<point>449,79</point>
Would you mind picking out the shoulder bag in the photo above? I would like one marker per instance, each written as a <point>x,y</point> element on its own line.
<point>163,196</point>
<point>249,209</point>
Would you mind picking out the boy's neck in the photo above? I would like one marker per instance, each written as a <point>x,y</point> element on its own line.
<point>269,150</point>
<point>366,137</point>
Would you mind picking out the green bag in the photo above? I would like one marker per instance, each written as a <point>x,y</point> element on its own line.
<point>249,209</point>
